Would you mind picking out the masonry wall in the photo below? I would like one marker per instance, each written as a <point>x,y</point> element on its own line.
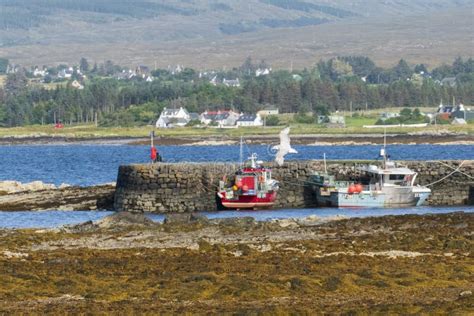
<point>164,187</point>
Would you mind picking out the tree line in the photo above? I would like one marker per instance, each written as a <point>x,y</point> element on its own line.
<point>337,84</point>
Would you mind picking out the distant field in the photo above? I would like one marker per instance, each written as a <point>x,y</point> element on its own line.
<point>2,80</point>
<point>354,126</point>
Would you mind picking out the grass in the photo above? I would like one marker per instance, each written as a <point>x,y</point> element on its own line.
<point>353,126</point>
<point>2,80</point>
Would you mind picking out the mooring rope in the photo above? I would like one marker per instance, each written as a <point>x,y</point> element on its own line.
<point>449,175</point>
<point>452,168</point>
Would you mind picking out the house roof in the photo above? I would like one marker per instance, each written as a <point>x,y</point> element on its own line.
<point>172,112</point>
<point>446,109</point>
<point>194,116</point>
<point>216,116</point>
<point>449,81</point>
<point>247,118</point>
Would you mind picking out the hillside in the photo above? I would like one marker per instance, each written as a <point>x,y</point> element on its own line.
<point>217,33</point>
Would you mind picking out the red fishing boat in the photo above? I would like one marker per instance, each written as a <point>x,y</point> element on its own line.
<point>253,188</point>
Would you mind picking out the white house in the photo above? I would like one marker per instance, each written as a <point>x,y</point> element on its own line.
<point>262,72</point>
<point>66,73</point>
<point>250,120</point>
<point>231,83</point>
<point>268,111</point>
<point>40,72</point>
<point>173,117</point>
<point>220,118</point>
<point>214,81</point>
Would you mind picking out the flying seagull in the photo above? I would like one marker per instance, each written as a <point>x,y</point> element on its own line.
<point>284,148</point>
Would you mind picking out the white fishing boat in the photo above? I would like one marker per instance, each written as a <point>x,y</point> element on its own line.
<point>388,185</point>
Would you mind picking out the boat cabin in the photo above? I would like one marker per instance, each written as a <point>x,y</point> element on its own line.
<point>388,176</point>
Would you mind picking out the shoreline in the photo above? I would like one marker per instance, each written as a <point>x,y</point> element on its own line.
<point>309,139</point>
<point>391,264</point>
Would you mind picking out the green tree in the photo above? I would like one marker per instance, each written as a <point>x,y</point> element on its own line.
<point>272,120</point>
<point>84,65</point>
<point>16,83</point>
<point>3,65</point>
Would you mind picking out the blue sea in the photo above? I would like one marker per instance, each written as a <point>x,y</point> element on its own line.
<point>85,165</point>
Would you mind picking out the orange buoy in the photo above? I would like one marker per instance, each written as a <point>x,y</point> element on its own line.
<point>245,187</point>
<point>351,189</point>
<point>239,184</point>
<point>358,188</point>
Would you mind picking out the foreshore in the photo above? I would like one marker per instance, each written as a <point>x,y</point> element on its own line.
<point>206,140</point>
<point>127,264</point>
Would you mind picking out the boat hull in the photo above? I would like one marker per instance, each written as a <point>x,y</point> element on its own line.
<point>250,201</point>
<point>393,197</point>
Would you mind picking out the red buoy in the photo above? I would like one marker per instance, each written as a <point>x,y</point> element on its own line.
<point>358,188</point>
<point>351,189</point>
<point>153,154</point>
<point>245,188</point>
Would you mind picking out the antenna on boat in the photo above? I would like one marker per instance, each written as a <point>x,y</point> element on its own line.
<point>383,151</point>
<point>325,166</point>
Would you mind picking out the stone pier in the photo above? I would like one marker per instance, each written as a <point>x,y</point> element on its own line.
<point>164,187</point>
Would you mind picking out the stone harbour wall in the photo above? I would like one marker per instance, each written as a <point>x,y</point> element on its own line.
<point>192,187</point>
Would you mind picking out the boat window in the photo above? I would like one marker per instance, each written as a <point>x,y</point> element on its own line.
<point>397,177</point>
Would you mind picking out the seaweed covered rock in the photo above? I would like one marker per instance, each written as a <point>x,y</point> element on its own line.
<point>116,221</point>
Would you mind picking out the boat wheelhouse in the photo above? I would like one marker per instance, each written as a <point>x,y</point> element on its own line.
<point>253,188</point>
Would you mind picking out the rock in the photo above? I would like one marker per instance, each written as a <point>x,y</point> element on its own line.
<point>68,198</point>
<point>10,187</point>
<point>11,255</point>
<point>125,219</point>
<point>241,222</point>
<point>185,218</point>
<point>115,221</point>
<point>287,223</point>
<point>465,294</point>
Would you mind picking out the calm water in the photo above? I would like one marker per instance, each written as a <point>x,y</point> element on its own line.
<point>51,219</point>
<point>94,164</point>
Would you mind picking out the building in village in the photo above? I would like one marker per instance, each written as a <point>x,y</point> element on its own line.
<point>37,72</point>
<point>448,82</point>
<point>249,120</point>
<point>262,72</point>
<point>219,118</point>
<point>173,118</point>
<point>231,83</point>
<point>336,121</point>
<point>451,112</point>
<point>270,110</point>
<point>388,115</point>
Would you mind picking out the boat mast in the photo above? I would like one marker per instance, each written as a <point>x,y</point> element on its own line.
<point>325,166</point>
<point>241,152</point>
<point>383,152</point>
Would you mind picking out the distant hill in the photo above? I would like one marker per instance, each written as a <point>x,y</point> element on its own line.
<point>217,33</point>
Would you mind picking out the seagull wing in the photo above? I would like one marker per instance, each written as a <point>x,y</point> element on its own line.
<point>285,141</point>
<point>284,148</point>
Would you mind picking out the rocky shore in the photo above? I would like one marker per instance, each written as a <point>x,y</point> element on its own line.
<point>441,137</point>
<point>15,196</point>
<point>128,264</point>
